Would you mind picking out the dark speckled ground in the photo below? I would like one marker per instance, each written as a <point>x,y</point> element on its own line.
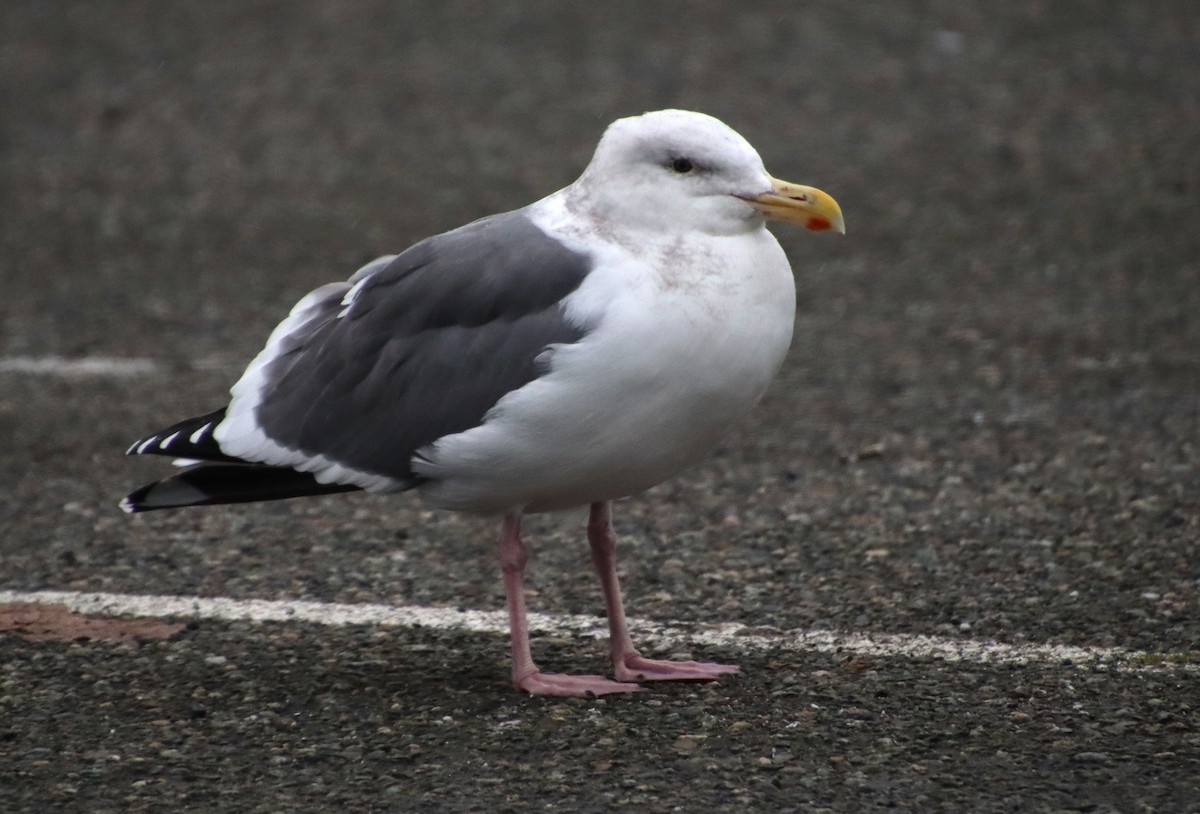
<point>987,427</point>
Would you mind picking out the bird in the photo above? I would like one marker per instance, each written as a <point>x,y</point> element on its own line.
<point>567,354</point>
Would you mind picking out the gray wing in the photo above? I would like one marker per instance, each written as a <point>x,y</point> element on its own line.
<point>422,346</point>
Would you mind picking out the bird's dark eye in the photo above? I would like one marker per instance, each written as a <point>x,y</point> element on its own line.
<point>682,165</point>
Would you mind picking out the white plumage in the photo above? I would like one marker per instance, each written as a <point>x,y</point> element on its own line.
<point>580,350</point>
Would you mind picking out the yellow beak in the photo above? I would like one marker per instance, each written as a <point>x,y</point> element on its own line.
<point>807,206</point>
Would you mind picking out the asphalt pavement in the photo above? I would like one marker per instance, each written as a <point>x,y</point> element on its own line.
<point>987,429</point>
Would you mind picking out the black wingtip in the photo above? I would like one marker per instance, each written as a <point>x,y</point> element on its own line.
<point>169,493</point>
<point>190,439</point>
<point>213,484</point>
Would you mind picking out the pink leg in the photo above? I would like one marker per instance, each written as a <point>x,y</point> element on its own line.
<point>628,663</point>
<point>525,674</point>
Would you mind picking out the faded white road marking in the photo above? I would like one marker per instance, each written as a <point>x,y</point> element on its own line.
<point>731,636</point>
<point>76,368</point>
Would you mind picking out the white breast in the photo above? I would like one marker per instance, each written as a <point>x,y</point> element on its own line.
<point>687,337</point>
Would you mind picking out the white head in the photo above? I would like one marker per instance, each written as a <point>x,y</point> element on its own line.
<point>675,170</point>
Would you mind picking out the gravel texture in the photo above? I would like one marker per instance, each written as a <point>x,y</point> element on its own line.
<point>987,427</point>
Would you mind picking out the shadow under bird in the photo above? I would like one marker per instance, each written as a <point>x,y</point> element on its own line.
<point>578,350</point>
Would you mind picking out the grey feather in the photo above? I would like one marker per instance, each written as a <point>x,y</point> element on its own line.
<point>426,346</point>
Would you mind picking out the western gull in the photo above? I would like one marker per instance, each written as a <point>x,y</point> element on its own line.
<point>578,350</point>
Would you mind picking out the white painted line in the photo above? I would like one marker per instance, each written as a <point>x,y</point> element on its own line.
<point>76,368</point>
<point>730,636</point>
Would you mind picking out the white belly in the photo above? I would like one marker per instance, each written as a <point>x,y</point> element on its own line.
<point>671,366</point>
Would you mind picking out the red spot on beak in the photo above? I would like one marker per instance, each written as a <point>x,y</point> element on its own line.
<point>818,224</point>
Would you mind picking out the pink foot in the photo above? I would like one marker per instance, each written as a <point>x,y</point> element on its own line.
<point>634,667</point>
<point>539,683</point>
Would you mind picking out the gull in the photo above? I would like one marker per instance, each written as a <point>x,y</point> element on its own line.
<point>579,350</point>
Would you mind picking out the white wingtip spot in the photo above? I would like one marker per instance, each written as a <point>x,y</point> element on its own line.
<point>166,442</point>
<point>126,506</point>
<point>198,434</point>
<point>145,444</point>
